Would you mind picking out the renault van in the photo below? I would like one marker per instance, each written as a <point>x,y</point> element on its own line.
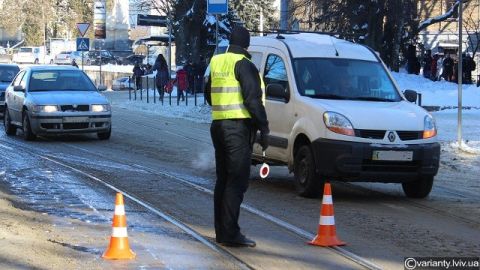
<point>336,113</point>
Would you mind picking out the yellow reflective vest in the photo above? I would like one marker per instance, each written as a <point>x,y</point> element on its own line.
<point>226,93</point>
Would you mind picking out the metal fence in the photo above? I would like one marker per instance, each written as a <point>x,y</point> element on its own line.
<point>150,93</point>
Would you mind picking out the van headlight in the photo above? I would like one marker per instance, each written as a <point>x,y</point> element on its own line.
<point>430,129</point>
<point>338,123</point>
<point>100,108</point>
<point>45,108</point>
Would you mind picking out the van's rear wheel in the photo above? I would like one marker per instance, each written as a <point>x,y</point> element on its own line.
<point>307,181</point>
<point>418,189</point>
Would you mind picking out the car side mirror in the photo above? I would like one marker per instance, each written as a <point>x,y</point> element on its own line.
<point>19,88</point>
<point>102,87</point>
<point>277,91</point>
<point>411,95</point>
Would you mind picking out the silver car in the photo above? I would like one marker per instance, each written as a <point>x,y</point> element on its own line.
<point>45,100</point>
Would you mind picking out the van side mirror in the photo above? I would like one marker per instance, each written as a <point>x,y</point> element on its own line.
<point>411,95</point>
<point>278,92</point>
<point>19,88</point>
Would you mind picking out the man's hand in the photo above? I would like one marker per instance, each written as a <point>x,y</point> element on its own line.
<point>264,140</point>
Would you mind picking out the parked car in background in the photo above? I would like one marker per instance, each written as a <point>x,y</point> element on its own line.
<point>32,55</point>
<point>7,73</point>
<point>5,57</point>
<point>133,59</point>
<point>122,83</point>
<point>121,56</point>
<point>46,100</point>
<point>101,57</point>
<point>63,58</point>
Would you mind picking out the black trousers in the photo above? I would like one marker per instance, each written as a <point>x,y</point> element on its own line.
<point>233,150</point>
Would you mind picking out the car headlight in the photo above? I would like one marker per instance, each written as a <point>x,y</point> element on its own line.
<point>338,123</point>
<point>45,108</point>
<point>100,108</point>
<point>430,129</point>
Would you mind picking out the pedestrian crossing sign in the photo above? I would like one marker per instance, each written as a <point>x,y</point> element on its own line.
<point>83,44</point>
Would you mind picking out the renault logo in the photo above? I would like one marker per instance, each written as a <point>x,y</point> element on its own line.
<point>75,106</point>
<point>391,136</point>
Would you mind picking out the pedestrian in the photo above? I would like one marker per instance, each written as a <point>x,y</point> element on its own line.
<point>468,66</point>
<point>427,64</point>
<point>413,65</point>
<point>162,77</point>
<point>191,70</point>
<point>181,79</point>
<point>234,90</point>
<point>137,75</point>
<point>74,63</point>
<point>448,68</point>
<point>434,69</point>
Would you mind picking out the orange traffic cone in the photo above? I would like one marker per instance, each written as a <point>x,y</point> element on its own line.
<point>119,248</point>
<point>327,235</point>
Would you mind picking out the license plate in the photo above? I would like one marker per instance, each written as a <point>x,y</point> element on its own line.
<point>75,119</point>
<point>393,155</point>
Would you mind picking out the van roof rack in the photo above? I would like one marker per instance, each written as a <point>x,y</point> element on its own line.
<point>280,32</point>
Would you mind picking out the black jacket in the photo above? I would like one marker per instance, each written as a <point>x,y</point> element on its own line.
<point>247,75</point>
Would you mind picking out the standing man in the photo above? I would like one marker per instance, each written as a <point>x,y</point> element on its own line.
<point>234,90</point>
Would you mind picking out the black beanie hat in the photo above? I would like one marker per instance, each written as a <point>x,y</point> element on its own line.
<point>240,37</point>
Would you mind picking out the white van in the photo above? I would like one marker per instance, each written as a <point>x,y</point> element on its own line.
<point>336,113</point>
<point>32,55</point>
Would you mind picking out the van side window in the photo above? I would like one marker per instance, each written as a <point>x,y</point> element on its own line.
<point>275,71</point>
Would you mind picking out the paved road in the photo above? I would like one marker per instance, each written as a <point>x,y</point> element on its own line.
<point>149,157</point>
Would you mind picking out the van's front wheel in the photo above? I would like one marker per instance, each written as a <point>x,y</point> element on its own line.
<point>418,189</point>
<point>307,181</point>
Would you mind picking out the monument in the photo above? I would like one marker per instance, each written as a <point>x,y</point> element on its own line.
<point>118,26</point>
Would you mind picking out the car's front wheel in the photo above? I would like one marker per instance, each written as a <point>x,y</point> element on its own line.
<point>418,189</point>
<point>28,134</point>
<point>307,181</point>
<point>10,129</point>
<point>104,135</point>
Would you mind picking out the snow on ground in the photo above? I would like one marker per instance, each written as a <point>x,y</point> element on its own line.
<point>200,113</point>
<point>439,93</point>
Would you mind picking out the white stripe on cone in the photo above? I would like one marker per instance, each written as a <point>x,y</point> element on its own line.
<point>327,199</point>
<point>327,220</point>
<point>119,232</point>
<point>119,210</point>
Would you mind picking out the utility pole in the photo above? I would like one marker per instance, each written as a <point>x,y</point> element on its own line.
<point>283,14</point>
<point>460,75</point>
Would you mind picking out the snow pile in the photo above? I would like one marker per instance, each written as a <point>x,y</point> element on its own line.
<point>473,148</point>
<point>199,114</point>
<point>438,93</point>
<point>111,68</point>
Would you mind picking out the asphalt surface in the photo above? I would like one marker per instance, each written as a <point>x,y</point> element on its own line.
<point>147,155</point>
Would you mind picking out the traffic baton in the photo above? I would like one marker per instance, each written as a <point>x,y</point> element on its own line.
<point>265,169</point>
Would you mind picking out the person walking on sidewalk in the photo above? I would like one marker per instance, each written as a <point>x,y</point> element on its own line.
<point>234,90</point>
<point>162,77</point>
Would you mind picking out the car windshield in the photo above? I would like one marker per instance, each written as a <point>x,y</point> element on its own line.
<point>330,78</point>
<point>60,80</point>
<point>8,73</point>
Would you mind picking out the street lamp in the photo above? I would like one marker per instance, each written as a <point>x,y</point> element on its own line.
<point>459,79</point>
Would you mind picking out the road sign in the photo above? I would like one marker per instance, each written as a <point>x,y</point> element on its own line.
<point>152,20</point>
<point>83,28</point>
<point>217,6</point>
<point>83,44</point>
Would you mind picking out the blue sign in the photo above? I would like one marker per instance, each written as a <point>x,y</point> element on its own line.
<point>217,6</point>
<point>83,44</point>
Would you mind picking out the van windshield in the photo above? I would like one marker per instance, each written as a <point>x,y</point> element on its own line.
<point>330,78</point>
